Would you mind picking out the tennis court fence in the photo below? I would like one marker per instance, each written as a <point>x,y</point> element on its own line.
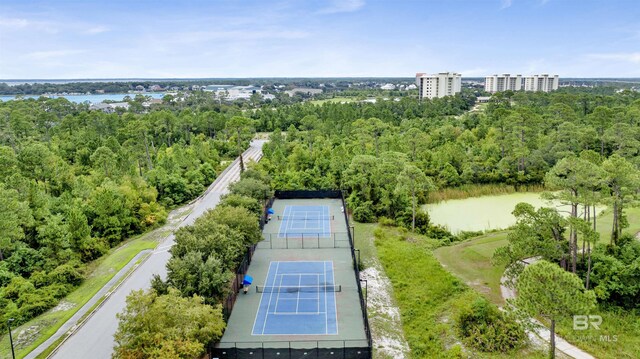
<point>304,240</point>
<point>338,349</point>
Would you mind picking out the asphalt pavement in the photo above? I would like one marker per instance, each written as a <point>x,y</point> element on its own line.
<point>94,337</point>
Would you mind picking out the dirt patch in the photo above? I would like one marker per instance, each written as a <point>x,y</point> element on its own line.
<point>384,316</point>
<point>63,306</point>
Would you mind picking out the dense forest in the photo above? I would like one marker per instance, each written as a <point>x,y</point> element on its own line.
<point>74,183</point>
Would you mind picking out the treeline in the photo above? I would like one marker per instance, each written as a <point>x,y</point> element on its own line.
<point>202,266</point>
<point>608,265</point>
<point>75,183</point>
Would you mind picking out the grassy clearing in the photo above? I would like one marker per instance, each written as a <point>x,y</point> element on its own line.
<point>101,271</point>
<point>617,338</point>
<point>619,334</point>
<point>471,262</point>
<point>605,221</point>
<point>333,100</point>
<point>476,190</point>
<point>364,243</point>
<point>426,294</point>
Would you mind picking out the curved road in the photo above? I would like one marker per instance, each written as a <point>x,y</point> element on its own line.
<point>95,338</point>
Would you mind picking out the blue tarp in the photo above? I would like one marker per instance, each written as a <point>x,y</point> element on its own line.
<point>247,280</point>
<point>271,211</point>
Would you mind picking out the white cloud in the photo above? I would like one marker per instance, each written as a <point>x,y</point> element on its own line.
<point>505,4</point>
<point>338,6</point>
<point>237,35</point>
<point>20,24</point>
<point>633,57</point>
<point>14,23</point>
<point>46,55</point>
<point>96,30</point>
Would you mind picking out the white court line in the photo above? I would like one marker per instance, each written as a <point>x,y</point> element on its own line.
<point>326,317</point>
<point>282,234</point>
<point>266,316</point>
<point>335,304</point>
<point>298,299</point>
<point>255,321</point>
<point>278,296</point>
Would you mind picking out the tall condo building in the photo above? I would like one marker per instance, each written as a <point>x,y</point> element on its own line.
<point>438,85</point>
<point>543,83</point>
<point>504,82</point>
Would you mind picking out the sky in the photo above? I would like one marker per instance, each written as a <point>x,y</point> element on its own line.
<point>74,39</point>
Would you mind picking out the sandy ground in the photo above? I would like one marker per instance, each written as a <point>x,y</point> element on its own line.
<point>384,315</point>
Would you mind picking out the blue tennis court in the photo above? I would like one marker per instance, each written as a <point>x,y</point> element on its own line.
<point>298,298</point>
<point>305,220</point>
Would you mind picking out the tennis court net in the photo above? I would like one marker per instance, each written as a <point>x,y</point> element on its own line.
<point>296,289</point>
<point>305,218</point>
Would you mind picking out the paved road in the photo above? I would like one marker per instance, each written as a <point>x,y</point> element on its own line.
<point>95,338</point>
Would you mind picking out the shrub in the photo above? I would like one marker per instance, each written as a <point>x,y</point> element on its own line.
<point>483,326</point>
<point>464,235</point>
<point>67,273</point>
<point>363,213</point>
<point>386,222</point>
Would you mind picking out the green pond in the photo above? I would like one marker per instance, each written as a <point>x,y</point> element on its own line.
<point>483,213</point>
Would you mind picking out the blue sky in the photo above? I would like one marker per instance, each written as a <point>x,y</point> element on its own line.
<point>317,38</point>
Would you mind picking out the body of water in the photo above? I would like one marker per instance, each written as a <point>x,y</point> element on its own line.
<point>484,213</point>
<point>93,98</point>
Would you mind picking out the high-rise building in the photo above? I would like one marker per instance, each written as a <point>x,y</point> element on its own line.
<point>438,85</point>
<point>544,83</point>
<point>504,82</point>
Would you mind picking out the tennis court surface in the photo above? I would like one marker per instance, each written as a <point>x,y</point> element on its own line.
<point>300,220</point>
<point>298,298</point>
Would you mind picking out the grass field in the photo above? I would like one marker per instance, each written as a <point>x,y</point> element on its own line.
<point>477,190</point>
<point>426,294</point>
<point>604,222</point>
<point>101,271</point>
<point>333,100</point>
<point>471,262</point>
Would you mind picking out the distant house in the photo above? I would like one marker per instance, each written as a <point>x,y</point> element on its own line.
<point>153,101</point>
<point>304,90</point>
<point>388,87</point>
<point>216,88</point>
<point>483,99</point>
<point>109,107</point>
<point>155,88</point>
<point>104,107</point>
<point>139,88</point>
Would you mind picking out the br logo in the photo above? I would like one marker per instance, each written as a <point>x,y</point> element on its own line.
<point>582,322</point>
